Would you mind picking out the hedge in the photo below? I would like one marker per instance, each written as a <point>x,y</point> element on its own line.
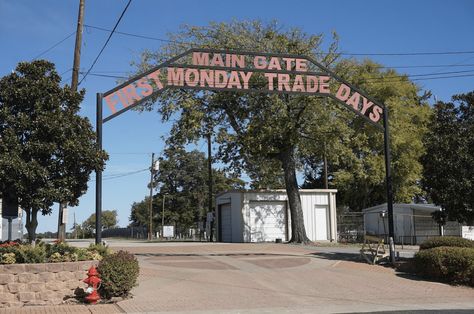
<point>119,273</point>
<point>454,265</point>
<point>18,253</point>
<point>446,241</point>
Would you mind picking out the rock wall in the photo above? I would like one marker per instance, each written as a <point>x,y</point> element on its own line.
<point>40,284</point>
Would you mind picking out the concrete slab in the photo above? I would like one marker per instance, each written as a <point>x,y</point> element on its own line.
<point>280,278</point>
<point>272,278</point>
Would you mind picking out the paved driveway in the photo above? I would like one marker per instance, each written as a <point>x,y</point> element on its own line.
<point>277,278</point>
<point>269,278</point>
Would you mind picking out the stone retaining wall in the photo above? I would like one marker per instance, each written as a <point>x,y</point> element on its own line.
<point>40,284</point>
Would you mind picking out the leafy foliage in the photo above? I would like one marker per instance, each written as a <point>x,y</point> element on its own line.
<point>448,174</point>
<point>446,241</point>
<point>109,220</point>
<point>119,273</point>
<point>7,258</point>
<point>183,180</point>
<point>257,133</point>
<point>101,249</point>
<point>53,253</point>
<point>30,254</point>
<point>60,247</point>
<point>354,149</point>
<point>47,150</point>
<point>454,265</point>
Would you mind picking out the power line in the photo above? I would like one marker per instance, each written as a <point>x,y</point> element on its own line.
<point>115,176</point>
<point>414,77</point>
<point>64,72</point>
<point>425,53</point>
<point>55,45</point>
<point>443,77</point>
<point>427,66</point>
<point>107,41</point>
<point>137,35</point>
<point>106,75</point>
<point>409,75</point>
<point>381,66</point>
<point>418,75</point>
<point>128,153</point>
<point>460,62</point>
<point>121,175</point>
<point>321,53</point>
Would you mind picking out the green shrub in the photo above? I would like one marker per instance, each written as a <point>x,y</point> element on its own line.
<point>446,241</point>
<point>60,252</point>
<point>7,258</point>
<point>30,254</point>
<point>83,255</point>
<point>12,252</point>
<point>62,248</point>
<point>119,273</point>
<point>67,257</point>
<point>55,258</point>
<point>100,249</point>
<point>454,265</point>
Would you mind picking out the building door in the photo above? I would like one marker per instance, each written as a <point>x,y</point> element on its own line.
<point>267,221</point>
<point>225,223</point>
<point>321,223</point>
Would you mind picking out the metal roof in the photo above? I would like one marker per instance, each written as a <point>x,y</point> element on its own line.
<point>423,207</point>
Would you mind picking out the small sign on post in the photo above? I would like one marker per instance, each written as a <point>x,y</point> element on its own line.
<point>468,232</point>
<point>64,217</point>
<point>168,231</point>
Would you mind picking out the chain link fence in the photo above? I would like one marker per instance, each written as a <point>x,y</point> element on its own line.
<point>350,227</point>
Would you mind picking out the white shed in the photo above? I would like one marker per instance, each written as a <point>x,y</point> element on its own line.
<point>412,222</point>
<point>263,216</point>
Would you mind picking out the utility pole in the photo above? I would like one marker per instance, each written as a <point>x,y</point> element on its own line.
<point>163,216</point>
<point>77,48</point>
<point>388,178</point>
<point>98,173</point>
<point>150,212</point>
<point>325,161</point>
<point>75,78</point>
<point>209,162</point>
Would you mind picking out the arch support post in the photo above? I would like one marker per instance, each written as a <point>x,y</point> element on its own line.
<point>98,175</point>
<point>389,186</point>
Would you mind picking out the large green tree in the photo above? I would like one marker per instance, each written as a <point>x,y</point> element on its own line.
<point>253,129</point>
<point>182,182</point>
<point>47,151</point>
<point>448,174</point>
<point>108,219</point>
<point>354,149</point>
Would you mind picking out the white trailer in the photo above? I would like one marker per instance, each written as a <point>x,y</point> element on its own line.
<point>412,222</point>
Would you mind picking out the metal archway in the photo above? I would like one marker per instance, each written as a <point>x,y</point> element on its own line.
<point>230,70</point>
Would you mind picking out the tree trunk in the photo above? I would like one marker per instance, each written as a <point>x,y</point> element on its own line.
<point>31,224</point>
<point>298,232</point>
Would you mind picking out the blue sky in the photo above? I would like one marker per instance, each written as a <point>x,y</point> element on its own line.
<point>29,27</point>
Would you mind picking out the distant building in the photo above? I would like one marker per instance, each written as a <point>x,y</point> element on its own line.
<point>264,215</point>
<point>412,222</point>
<point>17,226</point>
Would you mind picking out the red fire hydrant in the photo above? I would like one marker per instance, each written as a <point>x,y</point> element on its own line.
<point>93,282</point>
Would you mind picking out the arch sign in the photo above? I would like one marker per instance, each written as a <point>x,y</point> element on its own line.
<point>244,72</point>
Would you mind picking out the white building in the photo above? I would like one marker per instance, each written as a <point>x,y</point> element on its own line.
<point>412,222</point>
<point>263,216</point>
